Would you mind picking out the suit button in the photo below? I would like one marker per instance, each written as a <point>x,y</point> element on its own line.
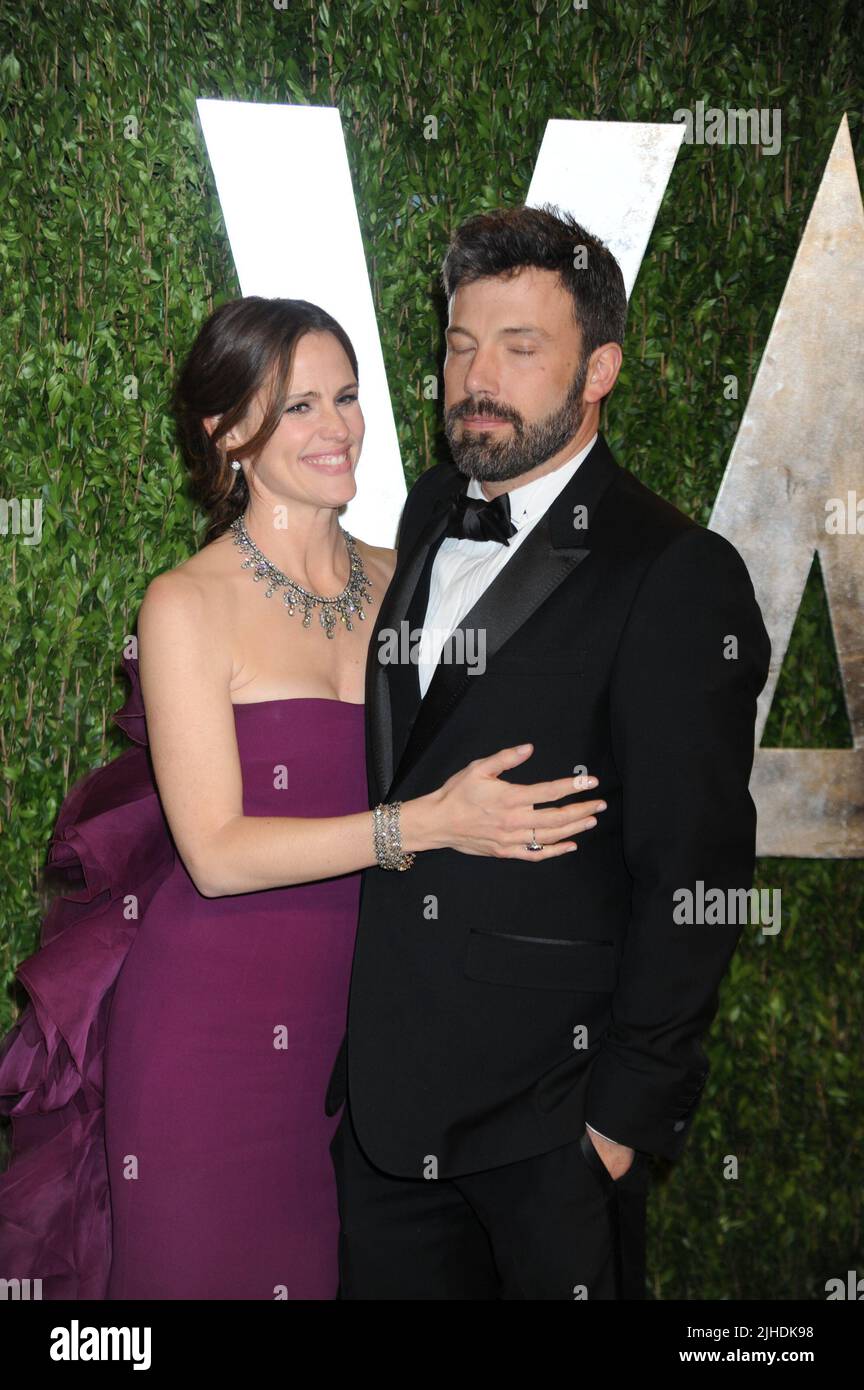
<point>678,1125</point>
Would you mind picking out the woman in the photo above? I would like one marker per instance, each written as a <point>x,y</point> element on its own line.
<point>207,997</point>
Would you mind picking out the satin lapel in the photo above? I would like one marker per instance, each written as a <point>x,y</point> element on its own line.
<point>531,576</point>
<point>394,607</point>
<point>543,561</point>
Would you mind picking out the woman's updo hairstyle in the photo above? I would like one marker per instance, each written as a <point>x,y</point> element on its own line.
<point>236,350</point>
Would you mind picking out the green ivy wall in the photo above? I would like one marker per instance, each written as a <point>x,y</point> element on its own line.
<point>112,251</point>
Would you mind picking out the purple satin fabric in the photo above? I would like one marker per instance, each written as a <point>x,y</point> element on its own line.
<point>194,1034</point>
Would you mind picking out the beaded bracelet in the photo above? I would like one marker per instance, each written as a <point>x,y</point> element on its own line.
<point>387,837</point>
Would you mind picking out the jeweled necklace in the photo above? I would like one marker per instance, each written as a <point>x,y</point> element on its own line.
<point>357,591</point>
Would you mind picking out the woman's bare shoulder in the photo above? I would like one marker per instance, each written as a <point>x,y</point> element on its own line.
<point>191,590</point>
<point>212,559</point>
<point>210,562</point>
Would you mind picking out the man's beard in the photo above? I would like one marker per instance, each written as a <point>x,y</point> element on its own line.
<point>479,455</point>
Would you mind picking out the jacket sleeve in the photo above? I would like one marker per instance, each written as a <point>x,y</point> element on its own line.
<point>691,662</point>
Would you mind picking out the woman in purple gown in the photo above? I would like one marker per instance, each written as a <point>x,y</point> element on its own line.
<point>166,1079</point>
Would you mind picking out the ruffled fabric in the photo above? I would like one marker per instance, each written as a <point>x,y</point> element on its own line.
<point>112,849</point>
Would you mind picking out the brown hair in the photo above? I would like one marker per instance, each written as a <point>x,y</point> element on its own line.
<point>229,361</point>
<point>503,241</point>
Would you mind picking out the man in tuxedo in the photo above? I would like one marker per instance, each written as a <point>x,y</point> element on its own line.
<point>522,1036</point>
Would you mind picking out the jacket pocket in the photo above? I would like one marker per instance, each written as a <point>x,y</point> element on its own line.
<point>540,962</point>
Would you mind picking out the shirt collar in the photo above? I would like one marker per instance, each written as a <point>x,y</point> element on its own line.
<point>531,500</point>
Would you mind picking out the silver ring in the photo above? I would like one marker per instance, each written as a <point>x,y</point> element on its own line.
<point>533,845</point>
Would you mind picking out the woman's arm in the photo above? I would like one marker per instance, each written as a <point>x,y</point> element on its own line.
<point>186,675</point>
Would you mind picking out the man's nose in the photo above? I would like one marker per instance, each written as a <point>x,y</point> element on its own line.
<point>481,378</point>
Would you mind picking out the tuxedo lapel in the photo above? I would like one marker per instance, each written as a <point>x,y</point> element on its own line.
<point>394,608</point>
<point>531,576</point>
<point>557,544</point>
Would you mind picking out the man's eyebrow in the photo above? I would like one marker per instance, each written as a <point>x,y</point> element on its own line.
<point>527,330</point>
<point>521,330</point>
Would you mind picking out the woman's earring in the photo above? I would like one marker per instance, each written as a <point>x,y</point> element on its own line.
<point>235,463</point>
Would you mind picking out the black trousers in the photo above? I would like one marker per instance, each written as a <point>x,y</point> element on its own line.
<point>552,1226</point>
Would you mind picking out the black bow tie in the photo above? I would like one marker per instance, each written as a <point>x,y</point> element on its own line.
<point>475,519</point>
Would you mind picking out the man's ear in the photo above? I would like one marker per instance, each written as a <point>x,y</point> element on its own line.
<point>603,368</point>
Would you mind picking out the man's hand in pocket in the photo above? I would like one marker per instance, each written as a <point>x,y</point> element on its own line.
<point>616,1157</point>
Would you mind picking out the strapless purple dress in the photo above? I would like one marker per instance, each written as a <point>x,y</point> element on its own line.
<point>166,1080</point>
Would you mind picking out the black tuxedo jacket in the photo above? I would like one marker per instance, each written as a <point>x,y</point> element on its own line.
<point>497,1005</point>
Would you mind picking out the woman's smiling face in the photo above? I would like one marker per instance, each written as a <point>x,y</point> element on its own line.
<point>313,453</point>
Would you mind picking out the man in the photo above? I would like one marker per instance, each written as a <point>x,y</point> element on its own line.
<point>522,1038</point>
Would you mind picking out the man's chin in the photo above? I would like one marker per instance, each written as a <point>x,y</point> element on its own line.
<point>485,468</point>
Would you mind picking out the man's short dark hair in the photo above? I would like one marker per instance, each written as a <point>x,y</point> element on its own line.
<point>505,240</point>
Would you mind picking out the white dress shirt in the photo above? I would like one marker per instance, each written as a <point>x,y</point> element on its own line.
<point>463,569</point>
